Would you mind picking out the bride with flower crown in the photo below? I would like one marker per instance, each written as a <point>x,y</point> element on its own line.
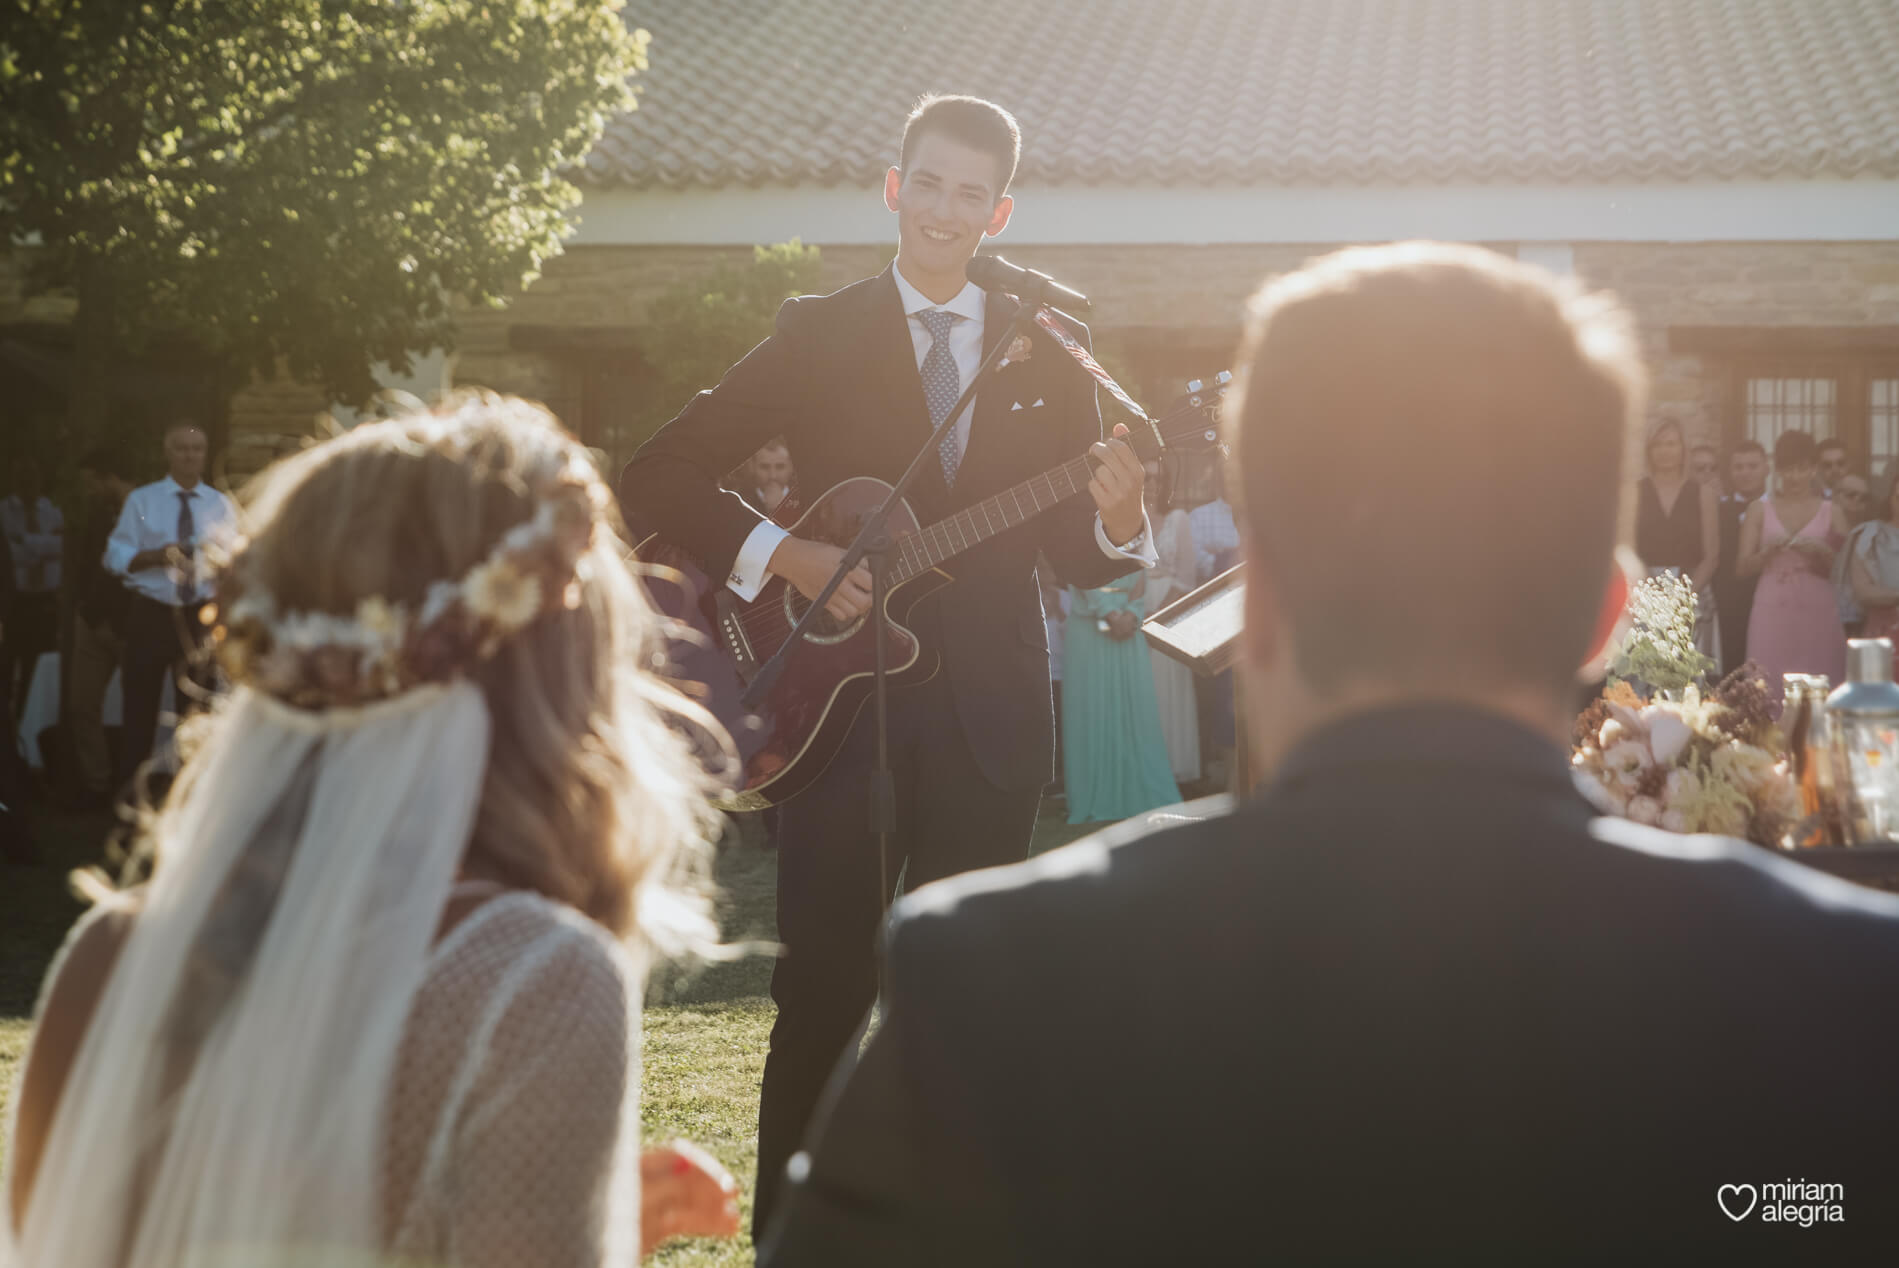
<point>379,999</point>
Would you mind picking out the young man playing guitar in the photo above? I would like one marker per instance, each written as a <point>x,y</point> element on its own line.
<point>855,381</point>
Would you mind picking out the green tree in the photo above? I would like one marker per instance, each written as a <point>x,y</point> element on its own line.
<point>697,329</point>
<point>321,180</point>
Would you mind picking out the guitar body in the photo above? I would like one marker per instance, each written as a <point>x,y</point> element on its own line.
<point>792,738</point>
<point>802,723</point>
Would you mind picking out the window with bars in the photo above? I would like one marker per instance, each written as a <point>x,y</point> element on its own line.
<point>1775,405</point>
<point>1831,382</point>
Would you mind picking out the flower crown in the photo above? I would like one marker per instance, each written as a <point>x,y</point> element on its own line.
<point>322,660</point>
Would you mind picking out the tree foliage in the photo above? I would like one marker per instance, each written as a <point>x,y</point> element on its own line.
<point>319,180</point>
<point>698,328</point>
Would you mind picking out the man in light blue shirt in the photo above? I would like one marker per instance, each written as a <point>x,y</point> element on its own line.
<point>155,548</point>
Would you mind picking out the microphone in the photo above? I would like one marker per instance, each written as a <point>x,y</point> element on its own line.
<point>993,273</point>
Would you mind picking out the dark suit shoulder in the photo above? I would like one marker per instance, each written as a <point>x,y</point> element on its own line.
<point>1121,869</point>
<point>1746,881</point>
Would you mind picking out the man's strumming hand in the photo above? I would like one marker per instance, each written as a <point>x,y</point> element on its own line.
<point>1116,486</point>
<point>808,565</point>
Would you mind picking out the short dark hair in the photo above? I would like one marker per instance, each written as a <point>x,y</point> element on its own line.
<point>1832,442</point>
<point>1702,446</point>
<point>1748,446</point>
<point>981,125</point>
<point>1412,357</point>
<point>1794,448</point>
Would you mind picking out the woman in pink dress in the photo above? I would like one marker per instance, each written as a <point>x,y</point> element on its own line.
<point>1788,540</point>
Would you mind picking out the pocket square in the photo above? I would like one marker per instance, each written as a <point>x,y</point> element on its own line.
<point>1031,405</point>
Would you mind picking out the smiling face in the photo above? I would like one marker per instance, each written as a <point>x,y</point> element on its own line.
<point>947,200</point>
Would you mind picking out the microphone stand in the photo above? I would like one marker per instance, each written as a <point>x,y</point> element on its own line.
<point>873,543</point>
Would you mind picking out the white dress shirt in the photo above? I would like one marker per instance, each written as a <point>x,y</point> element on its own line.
<point>36,545</point>
<point>149,521</point>
<point>750,569</point>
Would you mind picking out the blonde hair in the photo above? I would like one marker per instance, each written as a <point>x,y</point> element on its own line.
<point>593,793</point>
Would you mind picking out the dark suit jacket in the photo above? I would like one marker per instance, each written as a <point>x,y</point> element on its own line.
<point>1733,593</point>
<point>1416,1003</point>
<point>838,379</point>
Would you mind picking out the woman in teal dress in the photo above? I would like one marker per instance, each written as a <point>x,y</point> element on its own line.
<point>1114,760</point>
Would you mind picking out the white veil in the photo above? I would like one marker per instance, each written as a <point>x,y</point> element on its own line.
<point>230,1094</point>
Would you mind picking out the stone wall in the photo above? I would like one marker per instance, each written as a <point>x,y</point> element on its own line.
<point>1166,312</point>
<point>1162,312</point>
<point>1754,284</point>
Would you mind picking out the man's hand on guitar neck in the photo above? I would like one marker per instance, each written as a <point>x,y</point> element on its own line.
<point>808,565</point>
<point>1116,486</point>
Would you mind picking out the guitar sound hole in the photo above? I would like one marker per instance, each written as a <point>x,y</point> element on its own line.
<point>827,628</point>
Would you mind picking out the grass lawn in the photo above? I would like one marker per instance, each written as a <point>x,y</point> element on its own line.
<point>704,1028</point>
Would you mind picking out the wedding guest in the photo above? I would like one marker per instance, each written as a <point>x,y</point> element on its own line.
<point>154,550</point>
<point>1851,496</point>
<point>1114,757</point>
<point>35,531</point>
<point>1852,493</point>
<point>1413,998</point>
<point>1215,538</point>
<point>1872,569</point>
<point>1704,464</point>
<point>379,1001</point>
<point>772,475</point>
<point>99,609</point>
<point>1174,689</point>
<point>1676,525</point>
<point>1734,593</point>
<point>1832,465</point>
<point>1788,540</point>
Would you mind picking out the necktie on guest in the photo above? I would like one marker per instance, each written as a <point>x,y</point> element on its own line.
<point>188,546</point>
<point>942,384</point>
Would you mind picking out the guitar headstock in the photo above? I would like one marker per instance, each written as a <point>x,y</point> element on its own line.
<point>1192,421</point>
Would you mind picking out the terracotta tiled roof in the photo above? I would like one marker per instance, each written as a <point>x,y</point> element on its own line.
<point>747,92</point>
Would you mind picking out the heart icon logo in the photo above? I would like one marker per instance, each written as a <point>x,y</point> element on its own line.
<point>1727,1207</point>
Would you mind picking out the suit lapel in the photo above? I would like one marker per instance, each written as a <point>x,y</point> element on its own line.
<point>992,407</point>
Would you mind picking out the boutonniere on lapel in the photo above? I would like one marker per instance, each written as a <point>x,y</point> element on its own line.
<point>1019,350</point>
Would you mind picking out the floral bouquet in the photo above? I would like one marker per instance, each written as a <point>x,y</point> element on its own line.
<point>1693,764</point>
<point>1659,649</point>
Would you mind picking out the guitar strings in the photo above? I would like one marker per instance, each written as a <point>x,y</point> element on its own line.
<point>772,622</point>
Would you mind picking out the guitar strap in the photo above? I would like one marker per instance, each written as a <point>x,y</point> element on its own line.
<point>1087,362</point>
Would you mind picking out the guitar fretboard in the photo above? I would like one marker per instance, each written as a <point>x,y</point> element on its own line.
<point>972,525</point>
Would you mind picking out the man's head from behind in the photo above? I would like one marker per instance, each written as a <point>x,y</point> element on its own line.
<point>1464,550</point>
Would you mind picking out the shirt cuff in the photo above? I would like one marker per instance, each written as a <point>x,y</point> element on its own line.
<point>1140,547</point>
<point>751,570</point>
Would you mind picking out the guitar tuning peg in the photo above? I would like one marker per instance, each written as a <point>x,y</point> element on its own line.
<point>1223,378</point>
<point>1194,385</point>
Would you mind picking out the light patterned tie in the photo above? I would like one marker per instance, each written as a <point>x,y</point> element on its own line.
<point>942,384</point>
